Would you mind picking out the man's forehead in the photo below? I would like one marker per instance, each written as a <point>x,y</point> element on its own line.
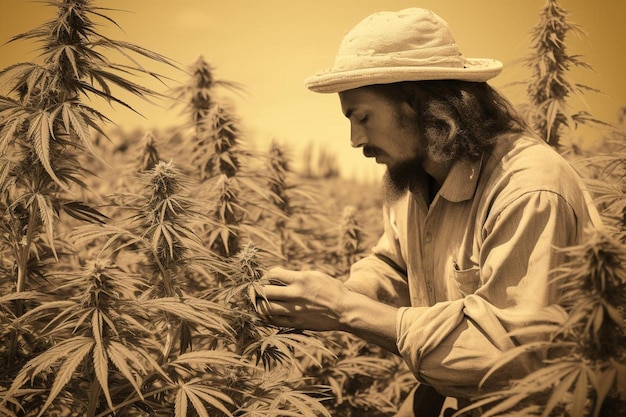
<point>362,97</point>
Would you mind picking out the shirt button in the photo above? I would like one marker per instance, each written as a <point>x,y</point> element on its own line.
<point>429,237</point>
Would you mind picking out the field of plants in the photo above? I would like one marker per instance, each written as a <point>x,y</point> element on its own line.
<point>127,259</point>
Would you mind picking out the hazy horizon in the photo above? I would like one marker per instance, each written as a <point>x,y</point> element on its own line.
<point>271,47</point>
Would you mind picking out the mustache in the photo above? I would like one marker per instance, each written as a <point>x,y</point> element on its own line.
<point>372,151</point>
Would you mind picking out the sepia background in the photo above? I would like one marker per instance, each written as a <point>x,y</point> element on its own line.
<point>271,46</point>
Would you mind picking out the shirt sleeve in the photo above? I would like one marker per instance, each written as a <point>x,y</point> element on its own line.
<point>453,344</point>
<point>382,274</point>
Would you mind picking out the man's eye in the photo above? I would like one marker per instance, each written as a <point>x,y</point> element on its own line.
<point>362,119</point>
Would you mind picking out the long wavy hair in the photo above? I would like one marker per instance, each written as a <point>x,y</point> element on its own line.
<point>459,119</point>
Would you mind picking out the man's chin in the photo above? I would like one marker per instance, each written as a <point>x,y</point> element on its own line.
<point>398,179</point>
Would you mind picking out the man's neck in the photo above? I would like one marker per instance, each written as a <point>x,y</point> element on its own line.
<point>438,172</point>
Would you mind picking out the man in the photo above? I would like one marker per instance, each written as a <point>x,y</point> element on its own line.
<point>474,207</point>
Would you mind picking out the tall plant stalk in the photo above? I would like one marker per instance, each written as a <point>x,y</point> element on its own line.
<point>550,88</point>
<point>278,168</point>
<point>45,126</point>
<point>199,93</point>
<point>351,236</point>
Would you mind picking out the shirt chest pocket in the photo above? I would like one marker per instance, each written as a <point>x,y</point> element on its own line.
<point>467,281</point>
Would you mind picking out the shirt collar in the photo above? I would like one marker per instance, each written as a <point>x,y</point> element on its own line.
<point>460,183</point>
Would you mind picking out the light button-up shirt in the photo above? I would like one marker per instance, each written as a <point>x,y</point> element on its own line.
<point>476,263</point>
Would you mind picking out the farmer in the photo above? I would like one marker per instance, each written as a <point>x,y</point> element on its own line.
<point>474,209</point>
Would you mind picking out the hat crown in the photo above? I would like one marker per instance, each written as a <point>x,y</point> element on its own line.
<point>409,45</point>
<point>416,34</point>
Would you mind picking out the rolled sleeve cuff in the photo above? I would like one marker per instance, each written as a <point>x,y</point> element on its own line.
<point>399,318</point>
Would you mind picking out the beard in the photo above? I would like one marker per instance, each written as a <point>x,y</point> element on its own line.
<point>399,178</point>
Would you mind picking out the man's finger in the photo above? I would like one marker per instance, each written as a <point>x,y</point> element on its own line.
<point>273,308</point>
<point>277,290</point>
<point>281,275</point>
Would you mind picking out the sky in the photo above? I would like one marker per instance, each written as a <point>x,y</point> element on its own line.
<point>271,46</point>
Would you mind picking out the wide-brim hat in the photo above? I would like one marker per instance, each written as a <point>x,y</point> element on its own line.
<point>409,45</point>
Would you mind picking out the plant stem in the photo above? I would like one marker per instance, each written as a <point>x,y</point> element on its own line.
<point>20,286</point>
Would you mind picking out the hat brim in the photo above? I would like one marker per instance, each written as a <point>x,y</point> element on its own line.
<point>335,81</point>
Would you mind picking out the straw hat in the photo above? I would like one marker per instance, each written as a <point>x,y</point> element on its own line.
<point>409,45</point>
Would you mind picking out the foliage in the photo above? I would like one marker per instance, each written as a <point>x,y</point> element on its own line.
<point>363,378</point>
<point>605,177</point>
<point>549,89</point>
<point>584,337</point>
<point>148,313</point>
<point>306,233</point>
<point>44,126</point>
<point>130,323</point>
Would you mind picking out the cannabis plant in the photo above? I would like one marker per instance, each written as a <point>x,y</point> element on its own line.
<point>606,180</point>
<point>278,382</point>
<point>219,159</point>
<point>122,336</point>
<point>44,127</point>
<point>211,130</point>
<point>199,94</point>
<point>300,222</point>
<point>550,89</point>
<point>350,237</point>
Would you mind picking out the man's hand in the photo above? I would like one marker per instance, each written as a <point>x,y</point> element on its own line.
<point>302,299</point>
<point>311,300</point>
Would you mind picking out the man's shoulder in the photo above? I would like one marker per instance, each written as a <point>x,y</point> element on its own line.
<point>522,163</point>
<point>529,157</point>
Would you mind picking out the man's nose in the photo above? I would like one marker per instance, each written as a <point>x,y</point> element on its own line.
<point>357,137</point>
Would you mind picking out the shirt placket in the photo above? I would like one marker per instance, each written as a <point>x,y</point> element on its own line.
<point>428,249</point>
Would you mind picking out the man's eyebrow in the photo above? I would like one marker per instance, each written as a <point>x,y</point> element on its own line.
<point>349,112</point>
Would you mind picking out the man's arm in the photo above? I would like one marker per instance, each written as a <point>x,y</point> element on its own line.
<point>315,301</point>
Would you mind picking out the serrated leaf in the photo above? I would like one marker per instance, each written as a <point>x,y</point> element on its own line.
<point>201,312</point>
<point>560,391</point>
<point>197,404</point>
<point>101,364</point>
<point>10,128</point>
<point>81,211</point>
<point>306,405</point>
<point>40,132</point>
<point>47,218</point>
<point>77,124</point>
<point>209,395</point>
<point>46,309</point>
<point>69,52</point>
<point>180,405</point>
<point>120,355</point>
<point>504,405</point>
<point>65,373</point>
<point>603,386</point>
<point>209,357</point>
